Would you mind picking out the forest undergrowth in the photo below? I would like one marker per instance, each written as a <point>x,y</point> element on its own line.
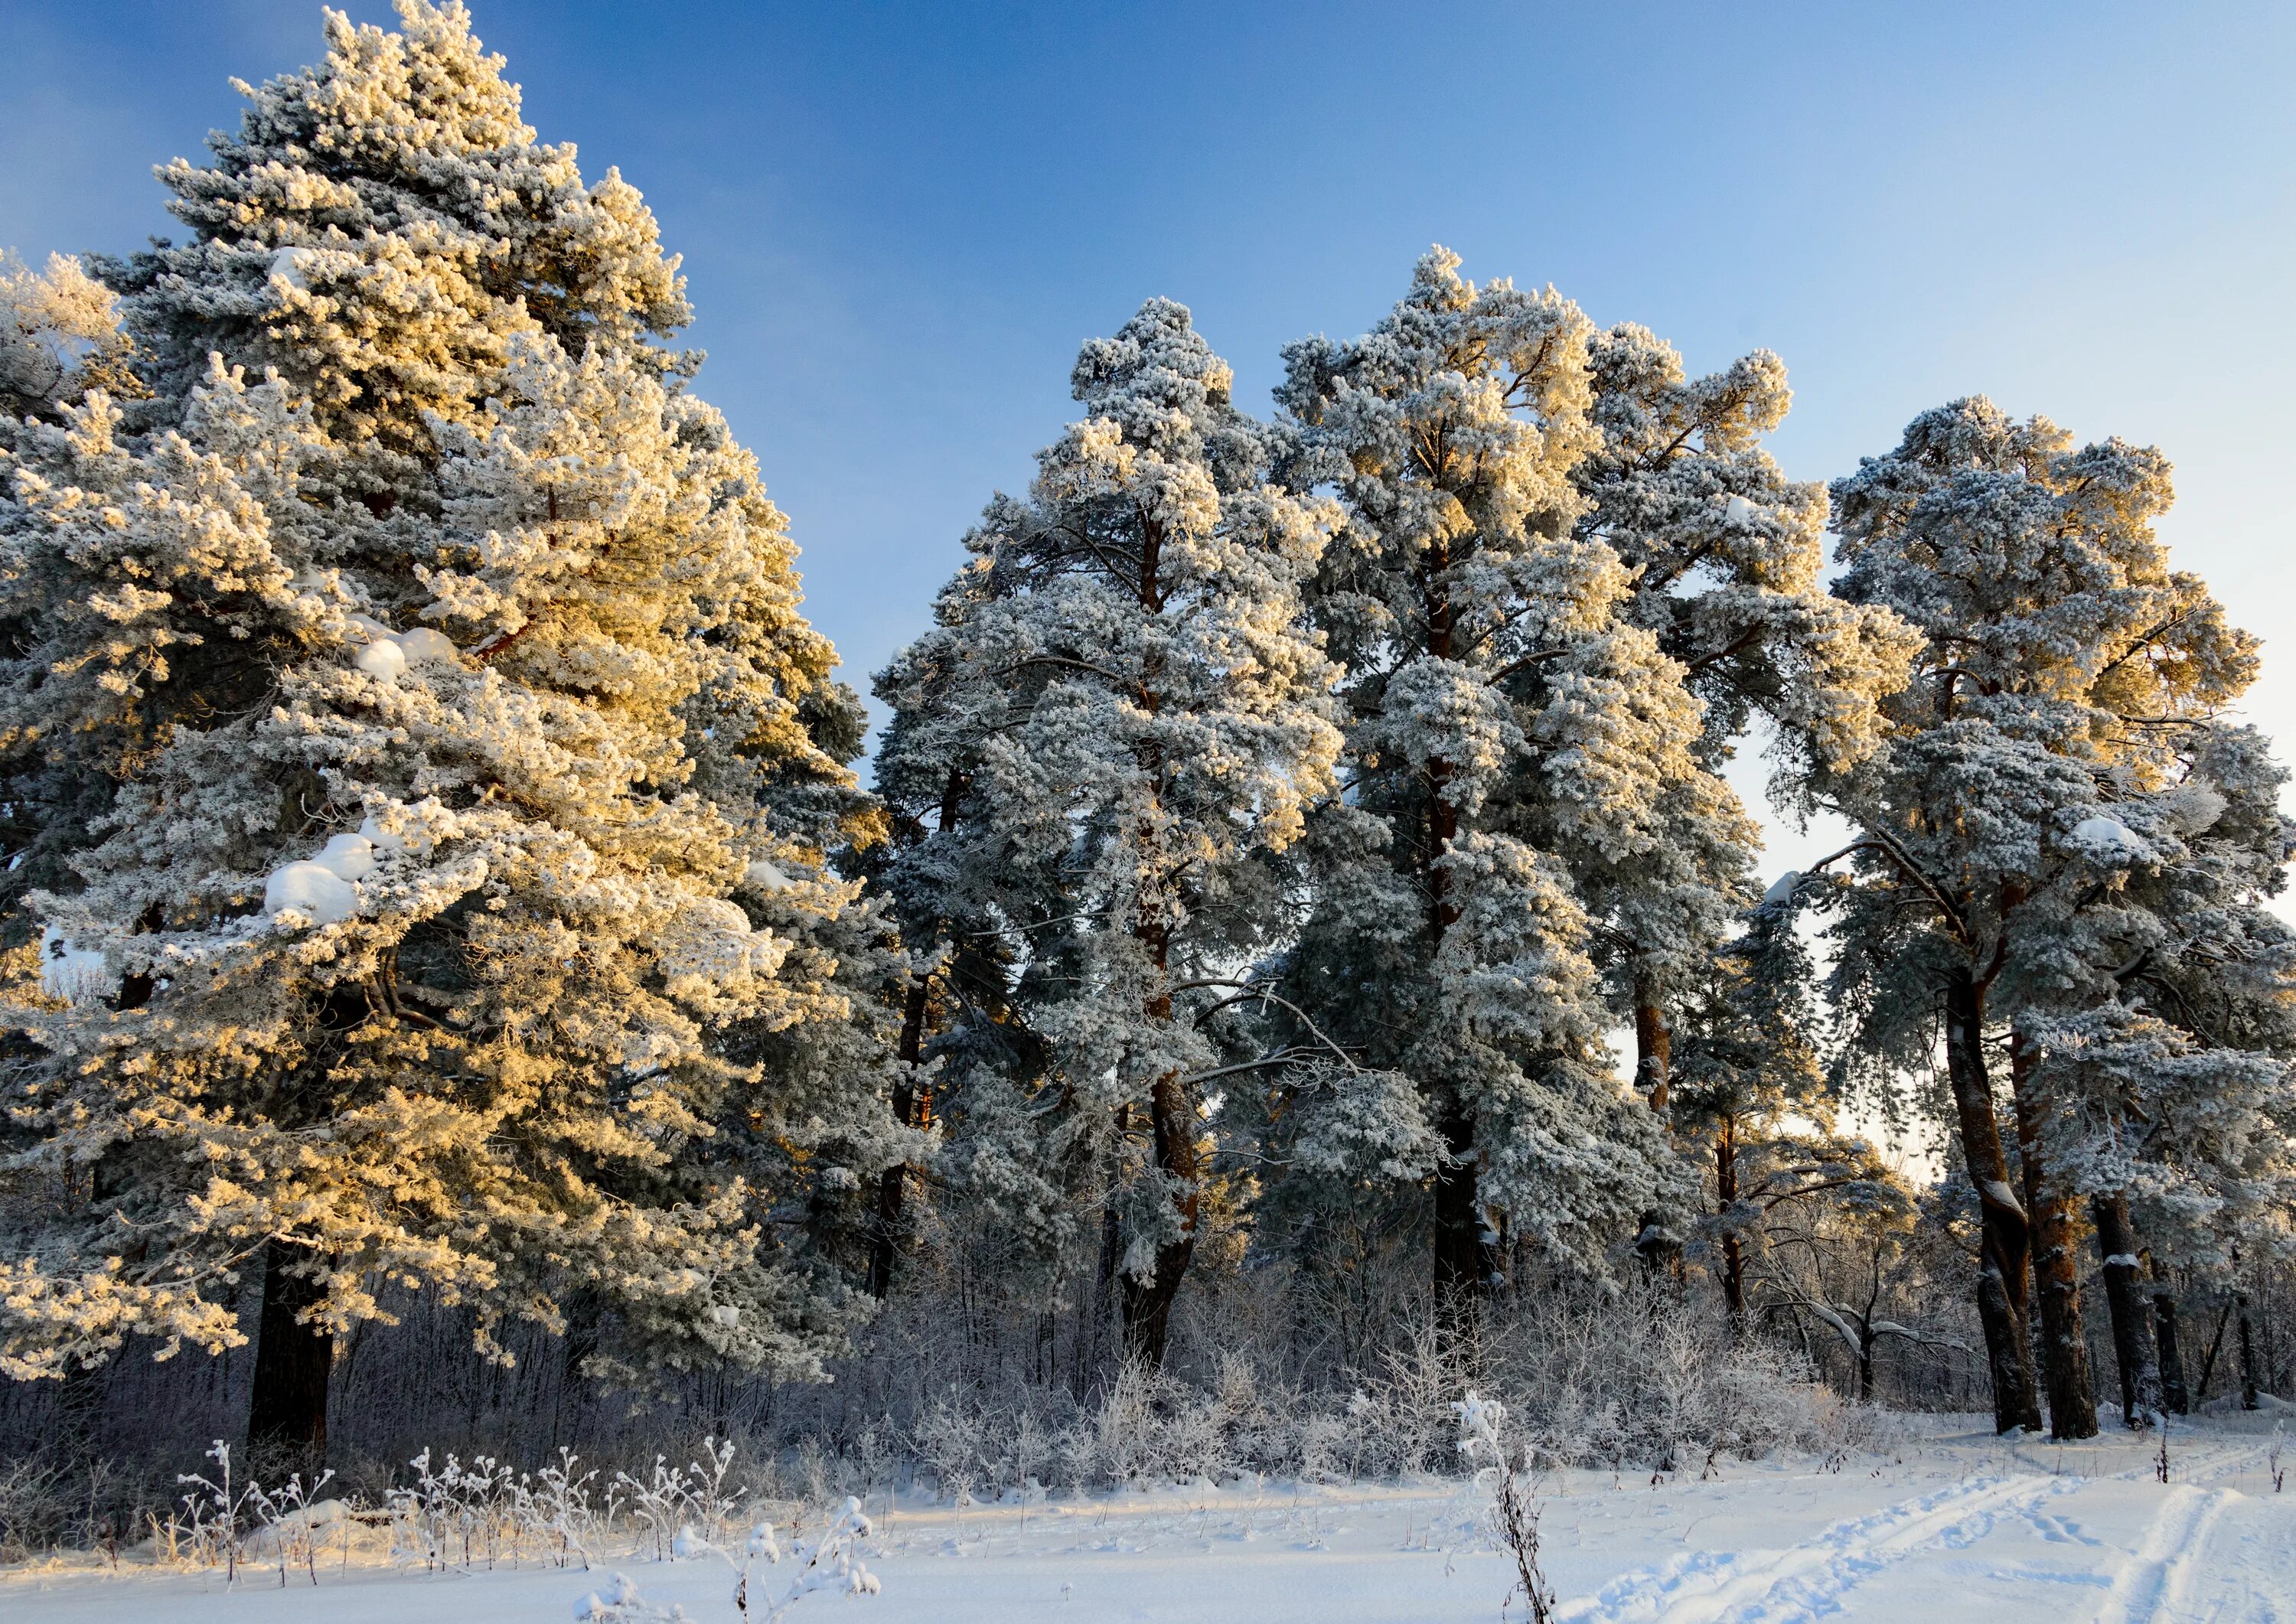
<point>1638,1380</point>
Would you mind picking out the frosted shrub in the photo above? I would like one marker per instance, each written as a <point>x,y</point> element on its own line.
<point>672,1504</point>
<point>556,1503</point>
<point>830,1564</point>
<point>619,1603</point>
<point>1399,1420</point>
<point>1512,1515</point>
<point>948,1441</point>
<point>30,1505</point>
<point>1126,1431</point>
<point>1637,1379</point>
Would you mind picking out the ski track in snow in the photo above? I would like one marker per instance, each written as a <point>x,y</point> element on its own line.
<point>2154,1583</point>
<point>1808,1581</point>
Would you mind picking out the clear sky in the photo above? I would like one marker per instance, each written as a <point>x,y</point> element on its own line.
<point>899,221</point>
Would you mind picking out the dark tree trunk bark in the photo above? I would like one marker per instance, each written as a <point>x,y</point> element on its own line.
<point>911,1101</point>
<point>2248,1400</point>
<point>287,1414</point>
<point>1463,1260</point>
<point>2002,1268</point>
<point>1462,1263</point>
<point>1111,1257</point>
<point>2132,1334</point>
<point>584,1318</point>
<point>1659,1248</point>
<point>2056,1266</point>
<point>2176,1392</point>
<point>1733,1250</point>
<point>912,1107</point>
<point>2209,1360</point>
<point>1148,1299</point>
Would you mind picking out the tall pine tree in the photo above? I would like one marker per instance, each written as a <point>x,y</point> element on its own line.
<point>2064,669</point>
<point>458,767</point>
<point>1510,733</point>
<point>1161,724</point>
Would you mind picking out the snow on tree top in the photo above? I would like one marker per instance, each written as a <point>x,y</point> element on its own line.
<point>2110,840</point>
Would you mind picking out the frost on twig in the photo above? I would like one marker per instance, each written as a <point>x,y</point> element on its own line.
<point>1512,1515</point>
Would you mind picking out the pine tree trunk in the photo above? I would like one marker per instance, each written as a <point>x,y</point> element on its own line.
<point>2176,1394</point>
<point>2248,1400</point>
<point>1659,1249</point>
<point>287,1413</point>
<point>1147,1300</point>
<point>1462,1259</point>
<point>2209,1360</point>
<point>2056,1266</point>
<point>583,1317</point>
<point>2132,1333</point>
<point>2003,1265</point>
<point>1733,1250</point>
<point>1461,1256</point>
<point>1112,1258</point>
<point>910,1102</point>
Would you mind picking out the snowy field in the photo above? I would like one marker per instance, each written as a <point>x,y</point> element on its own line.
<point>1951,1525</point>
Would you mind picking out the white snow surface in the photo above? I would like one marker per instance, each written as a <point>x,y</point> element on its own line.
<point>427,642</point>
<point>2110,840</point>
<point>320,893</point>
<point>349,857</point>
<point>1951,1524</point>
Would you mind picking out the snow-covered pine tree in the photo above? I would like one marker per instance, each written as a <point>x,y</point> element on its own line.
<point>1165,721</point>
<point>458,732</point>
<point>1501,705</point>
<point>2162,1038</point>
<point>59,338</point>
<point>1726,554</point>
<point>2064,669</point>
<point>965,900</point>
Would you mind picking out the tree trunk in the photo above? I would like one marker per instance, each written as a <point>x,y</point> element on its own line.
<point>1733,1250</point>
<point>2056,1265</point>
<point>911,1105</point>
<point>287,1414</point>
<point>1111,1257</point>
<point>1654,1045</point>
<point>2003,1258</point>
<point>2132,1334</point>
<point>1148,1299</point>
<point>584,1316</point>
<point>911,1102</point>
<point>2176,1393</point>
<point>2209,1360</point>
<point>2248,1400</point>
<point>1657,1246</point>
<point>1463,1261</point>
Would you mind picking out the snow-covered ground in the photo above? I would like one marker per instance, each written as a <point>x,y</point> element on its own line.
<point>1952,1525</point>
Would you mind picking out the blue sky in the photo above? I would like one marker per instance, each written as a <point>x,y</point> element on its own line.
<point>899,222</point>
